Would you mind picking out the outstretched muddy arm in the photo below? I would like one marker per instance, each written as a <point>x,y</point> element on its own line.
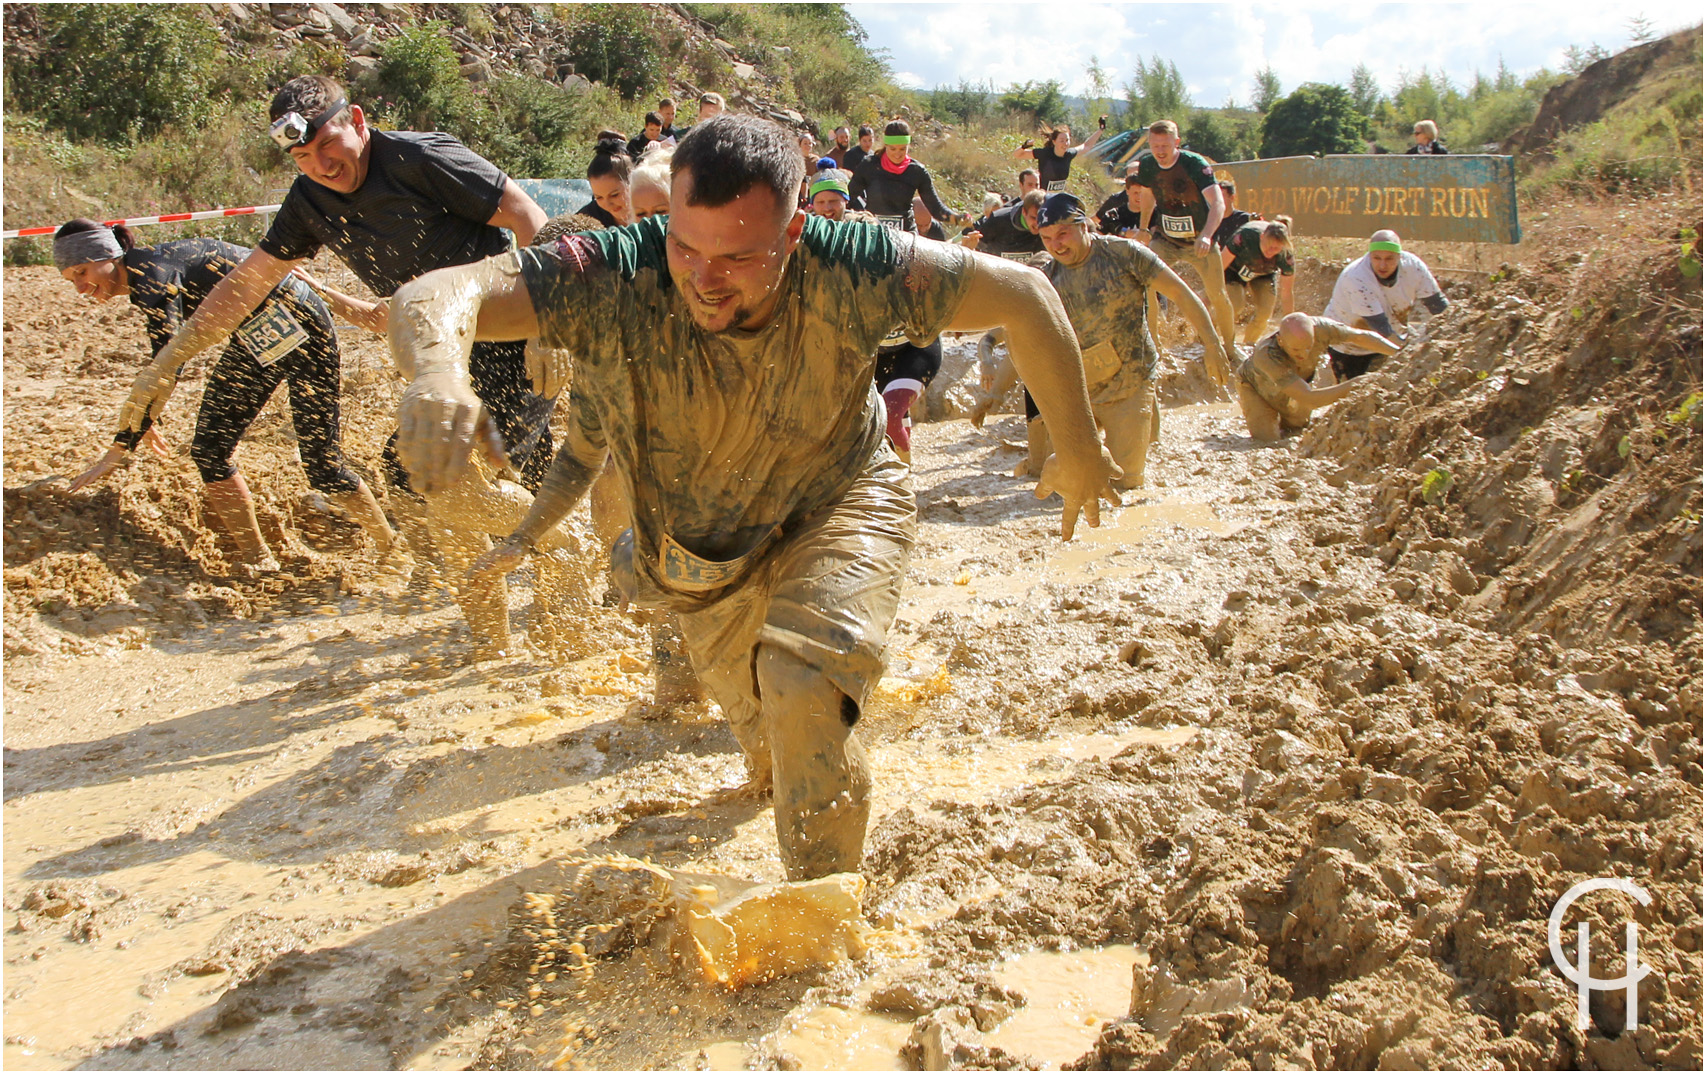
<point>434,322</point>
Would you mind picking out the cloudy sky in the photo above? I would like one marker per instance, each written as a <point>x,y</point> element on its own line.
<point>1220,47</point>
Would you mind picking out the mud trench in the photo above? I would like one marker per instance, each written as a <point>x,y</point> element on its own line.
<point>1262,772</point>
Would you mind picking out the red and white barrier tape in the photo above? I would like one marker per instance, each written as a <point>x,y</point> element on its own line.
<point>165,218</point>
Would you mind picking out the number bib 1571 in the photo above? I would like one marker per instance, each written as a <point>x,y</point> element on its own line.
<point>271,334</point>
<point>1178,227</point>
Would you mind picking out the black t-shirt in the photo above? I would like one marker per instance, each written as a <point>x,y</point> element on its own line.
<point>1052,167</point>
<point>888,196</point>
<point>1116,215</point>
<point>169,281</point>
<point>1229,225</point>
<point>1003,233</point>
<point>1181,208</point>
<point>596,211</point>
<point>637,144</point>
<point>1435,146</point>
<point>424,205</point>
<point>855,156</point>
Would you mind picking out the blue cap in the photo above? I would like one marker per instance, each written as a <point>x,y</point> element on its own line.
<point>826,162</point>
<point>1060,207</point>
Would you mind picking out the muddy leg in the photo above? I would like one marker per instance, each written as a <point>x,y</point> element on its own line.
<point>232,506</point>
<point>823,781</point>
<point>1215,297</point>
<point>1040,447</point>
<point>674,680</point>
<point>1262,293</point>
<point>415,530</point>
<point>1262,419</point>
<point>1128,424</point>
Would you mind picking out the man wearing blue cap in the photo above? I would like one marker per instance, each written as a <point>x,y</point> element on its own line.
<point>1104,282</point>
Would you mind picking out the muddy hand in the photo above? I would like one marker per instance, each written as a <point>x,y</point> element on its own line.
<point>438,425</point>
<point>148,396</point>
<point>1081,488</point>
<point>498,561</point>
<point>98,472</point>
<point>156,443</point>
<point>980,410</point>
<point>1218,363</point>
<point>548,369</point>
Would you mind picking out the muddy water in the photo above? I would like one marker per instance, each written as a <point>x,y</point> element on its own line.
<point>1069,997</point>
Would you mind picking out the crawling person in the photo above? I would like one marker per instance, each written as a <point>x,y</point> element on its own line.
<point>723,355</point>
<point>391,205</point>
<point>1273,382</point>
<point>1105,283</point>
<point>1379,291</point>
<point>1258,257</point>
<point>288,340</point>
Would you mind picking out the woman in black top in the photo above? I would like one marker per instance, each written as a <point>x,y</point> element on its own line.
<point>1054,157</point>
<point>1427,138</point>
<point>288,338</point>
<point>608,175</point>
<point>885,184</point>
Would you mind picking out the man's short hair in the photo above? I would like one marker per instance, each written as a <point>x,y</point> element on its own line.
<point>730,154</point>
<point>665,102</point>
<point>1227,187</point>
<point>1132,180</point>
<point>1164,126</point>
<point>307,96</point>
<point>1032,172</point>
<point>713,98</point>
<point>838,130</point>
<point>652,120</point>
<point>1033,198</point>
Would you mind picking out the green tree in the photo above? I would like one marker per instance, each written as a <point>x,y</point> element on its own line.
<point>1157,91</point>
<point>1640,29</point>
<point>1314,118</point>
<point>616,44</point>
<point>1097,76</point>
<point>1043,102</point>
<point>117,72</point>
<point>419,83</point>
<point>1216,137</point>
<point>1578,59</point>
<point>1365,89</point>
<point>963,104</point>
<point>1265,91</point>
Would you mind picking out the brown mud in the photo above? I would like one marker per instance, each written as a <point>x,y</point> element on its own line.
<point>1284,765</point>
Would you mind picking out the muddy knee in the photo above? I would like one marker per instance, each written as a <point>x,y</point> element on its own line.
<point>822,779</point>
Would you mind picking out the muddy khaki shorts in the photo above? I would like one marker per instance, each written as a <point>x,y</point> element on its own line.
<point>826,593</point>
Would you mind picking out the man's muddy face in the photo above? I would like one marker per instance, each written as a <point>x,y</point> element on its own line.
<point>728,260</point>
<point>336,158</point>
<point>1165,148</point>
<point>1383,262</point>
<point>1029,212</point>
<point>1067,242</point>
<point>829,204</point>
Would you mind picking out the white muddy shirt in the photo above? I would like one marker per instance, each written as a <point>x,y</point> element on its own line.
<point>1358,295</point>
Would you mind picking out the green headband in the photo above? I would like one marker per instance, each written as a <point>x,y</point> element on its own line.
<point>1390,247</point>
<point>828,184</point>
<point>897,139</point>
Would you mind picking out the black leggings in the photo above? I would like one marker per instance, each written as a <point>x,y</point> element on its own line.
<point>907,362</point>
<point>498,373</point>
<point>239,387</point>
<point>1346,366</point>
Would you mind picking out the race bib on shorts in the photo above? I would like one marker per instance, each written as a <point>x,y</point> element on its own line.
<point>271,334</point>
<point>894,223</point>
<point>1178,227</point>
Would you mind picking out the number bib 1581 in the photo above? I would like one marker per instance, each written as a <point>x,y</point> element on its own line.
<point>271,334</point>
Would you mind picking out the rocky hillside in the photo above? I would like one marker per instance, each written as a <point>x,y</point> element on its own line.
<point>1648,73</point>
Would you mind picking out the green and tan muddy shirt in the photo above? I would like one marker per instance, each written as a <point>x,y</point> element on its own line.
<point>1272,389</point>
<point>725,439</point>
<point>1107,300</point>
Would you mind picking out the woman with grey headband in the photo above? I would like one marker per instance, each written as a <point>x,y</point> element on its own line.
<point>289,339</point>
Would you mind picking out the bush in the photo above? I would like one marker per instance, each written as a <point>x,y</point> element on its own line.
<point>418,84</point>
<point>616,44</point>
<point>1218,138</point>
<point>116,72</point>
<point>1314,118</point>
<point>1042,102</point>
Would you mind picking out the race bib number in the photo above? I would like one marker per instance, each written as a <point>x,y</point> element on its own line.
<point>1244,273</point>
<point>893,223</point>
<point>271,334</point>
<point>1178,227</point>
<point>1101,362</point>
<point>1058,184</point>
<point>894,338</point>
